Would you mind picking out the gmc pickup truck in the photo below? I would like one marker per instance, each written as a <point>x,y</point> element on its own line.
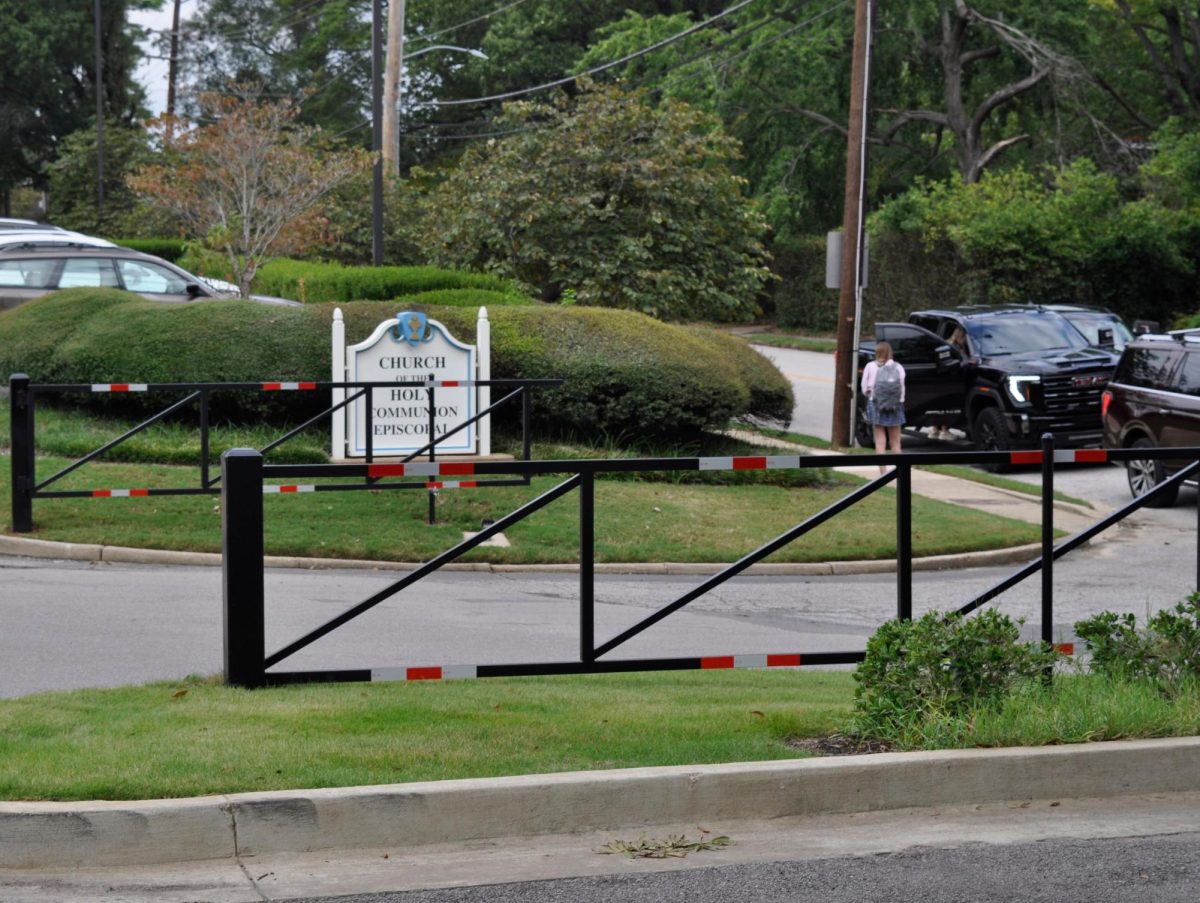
<point>1026,371</point>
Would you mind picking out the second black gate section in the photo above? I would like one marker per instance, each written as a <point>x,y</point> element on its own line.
<point>248,664</point>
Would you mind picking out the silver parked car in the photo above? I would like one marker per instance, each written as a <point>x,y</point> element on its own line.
<point>29,272</point>
<point>33,237</point>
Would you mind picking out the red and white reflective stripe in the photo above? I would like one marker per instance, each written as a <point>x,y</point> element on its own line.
<point>118,387</point>
<point>118,493</point>
<point>292,488</point>
<point>422,469</point>
<point>770,462</point>
<point>288,387</point>
<point>459,672</point>
<point>448,383</point>
<point>452,484</point>
<point>1062,456</point>
<point>715,662</point>
<point>444,672</point>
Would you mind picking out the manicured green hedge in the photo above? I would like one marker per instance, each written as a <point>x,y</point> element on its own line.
<point>167,248</point>
<point>312,282</point>
<point>628,377</point>
<point>463,297</point>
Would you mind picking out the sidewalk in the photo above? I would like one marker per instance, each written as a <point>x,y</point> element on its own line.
<point>265,846</point>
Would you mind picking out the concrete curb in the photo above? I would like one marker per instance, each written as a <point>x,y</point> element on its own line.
<point>65,551</point>
<point>58,835</point>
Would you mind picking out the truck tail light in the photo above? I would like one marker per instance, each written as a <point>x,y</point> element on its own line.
<point>1105,401</point>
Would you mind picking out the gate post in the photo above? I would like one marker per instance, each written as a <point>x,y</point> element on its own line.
<point>242,567</point>
<point>1048,538</point>
<point>587,566</point>
<point>20,401</point>
<point>903,540</point>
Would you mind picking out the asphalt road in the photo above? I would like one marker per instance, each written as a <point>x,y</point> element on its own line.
<point>72,624</point>
<point>1163,869</point>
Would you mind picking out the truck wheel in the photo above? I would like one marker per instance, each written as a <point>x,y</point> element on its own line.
<point>864,433</point>
<point>991,434</point>
<point>1144,474</point>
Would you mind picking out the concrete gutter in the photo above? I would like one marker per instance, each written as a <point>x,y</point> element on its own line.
<point>61,835</point>
<point>65,551</point>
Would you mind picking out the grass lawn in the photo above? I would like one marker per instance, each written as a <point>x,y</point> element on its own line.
<point>782,340</point>
<point>198,737</point>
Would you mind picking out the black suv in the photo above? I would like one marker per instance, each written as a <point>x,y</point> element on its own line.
<point>1026,371</point>
<point>1153,401</point>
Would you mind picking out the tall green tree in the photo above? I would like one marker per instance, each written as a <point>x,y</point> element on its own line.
<point>72,183</point>
<point>605,200</point>
<point>316,53</point>
<point>48,79</point>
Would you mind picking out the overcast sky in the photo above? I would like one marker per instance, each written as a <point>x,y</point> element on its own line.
<point>152,74</point>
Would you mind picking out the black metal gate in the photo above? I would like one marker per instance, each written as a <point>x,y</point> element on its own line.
<point>248,664</point>
<point>198,396</point>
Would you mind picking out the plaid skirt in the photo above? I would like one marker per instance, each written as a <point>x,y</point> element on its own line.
<point>876,419</point>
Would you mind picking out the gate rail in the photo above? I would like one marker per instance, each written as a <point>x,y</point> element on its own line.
<point>23,396</point>
<point>247,663</point>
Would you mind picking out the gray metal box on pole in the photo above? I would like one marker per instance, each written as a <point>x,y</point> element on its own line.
<point>833,259</point>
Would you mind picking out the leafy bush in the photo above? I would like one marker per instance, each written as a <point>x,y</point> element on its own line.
<point>628,203</point>
<point>799,296</point>
<point>1166,652</point>
<point>312,282</point>
<point>940,667</point>
<point>1068,234</point>
<point>171,249</point>
<point>628,377</point>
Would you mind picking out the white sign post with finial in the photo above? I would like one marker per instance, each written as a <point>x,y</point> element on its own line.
<point>412,349</point>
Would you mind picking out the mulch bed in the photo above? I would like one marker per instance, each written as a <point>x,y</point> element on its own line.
<point>839,745</point>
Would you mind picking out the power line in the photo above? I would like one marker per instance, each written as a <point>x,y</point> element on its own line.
<point>447,30</point>
<point>767,42</point>
<point>597,69</point>
<point>722,61</point>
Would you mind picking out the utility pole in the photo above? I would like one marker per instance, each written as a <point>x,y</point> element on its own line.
<point>173,67</point>
<point>99,116</point>
<point>377,132</point>
<point>850,299</point>
<point>391,87</point>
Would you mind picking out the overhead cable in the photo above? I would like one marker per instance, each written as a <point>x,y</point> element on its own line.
<point>596,69</point>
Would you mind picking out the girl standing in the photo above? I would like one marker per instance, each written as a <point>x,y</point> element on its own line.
<point>883,387</point>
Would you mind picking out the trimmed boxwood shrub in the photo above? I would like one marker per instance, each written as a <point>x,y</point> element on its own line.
<point>312,282</point>
<point>628,376</point>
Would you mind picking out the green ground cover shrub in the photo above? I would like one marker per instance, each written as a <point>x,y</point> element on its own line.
<point>940,668</point>
<point>627,375</point>
<point>1166,653</point>
<point>312,282</point>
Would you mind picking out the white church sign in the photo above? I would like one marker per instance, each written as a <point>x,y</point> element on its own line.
<point>411,349</point>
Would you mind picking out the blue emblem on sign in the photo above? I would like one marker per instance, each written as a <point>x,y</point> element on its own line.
<point>412,327</point>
